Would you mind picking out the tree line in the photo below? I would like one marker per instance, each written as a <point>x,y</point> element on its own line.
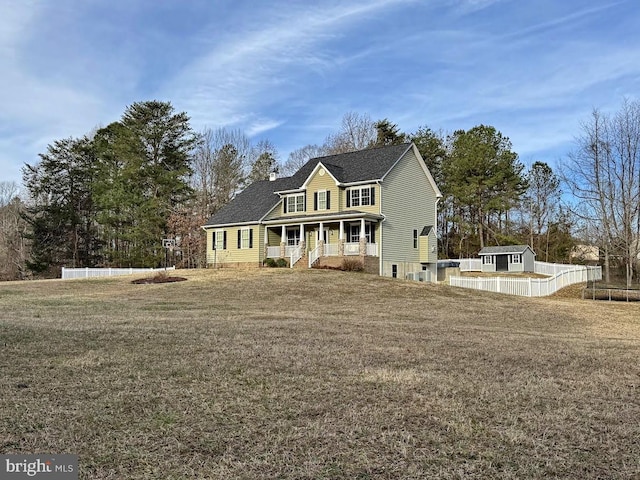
<point>110,197</point>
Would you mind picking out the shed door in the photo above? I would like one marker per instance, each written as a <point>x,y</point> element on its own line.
<point>502,263</point>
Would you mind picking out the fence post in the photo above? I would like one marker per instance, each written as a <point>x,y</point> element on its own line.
<point>498,284</point>
<point>86,272</point>
<point>63,273</point>
<point>530,288</point>
<point>110,272</point>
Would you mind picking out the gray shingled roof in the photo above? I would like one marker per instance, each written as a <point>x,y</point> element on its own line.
<point>505,249</point>
<point>426,230</point>
<point>255,201</point>
<point>360,166</point>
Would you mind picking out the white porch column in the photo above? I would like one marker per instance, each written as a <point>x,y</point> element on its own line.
<point>363,239</point>
<point>283,242</point>
<point>341,237</point>
<point>266,242</point>
<point>302,242</point>
<point>321,240</point>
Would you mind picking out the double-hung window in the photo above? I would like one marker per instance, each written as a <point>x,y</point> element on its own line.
<point>487,260</point>
<point>322,200</point>
<point>365,196</point>
<point>516,258</point>
<point>361,196</point>
<point>293,236</point>
<point>245,238</point>
<point>220,240</point>
<point>354,233</point>
<point>294,203</point>
<point>355,197</point>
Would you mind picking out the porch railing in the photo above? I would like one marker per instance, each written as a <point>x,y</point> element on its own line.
<point>314,255</point>
<point>273,252</point>
<point>372,249</point>
<point>352,248</point>
<point>331,250</point>
<point>295,255</point>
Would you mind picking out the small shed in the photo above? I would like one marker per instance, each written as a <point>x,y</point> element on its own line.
<point>511,258</point>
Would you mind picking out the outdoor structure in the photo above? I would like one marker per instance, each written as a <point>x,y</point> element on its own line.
<point>512,258</point>
<point>376,205</point>
<point>585,253</point>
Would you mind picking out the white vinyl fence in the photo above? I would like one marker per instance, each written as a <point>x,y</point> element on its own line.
<point>564,276</point>
<point>71,273</point>
<point>470,264</point>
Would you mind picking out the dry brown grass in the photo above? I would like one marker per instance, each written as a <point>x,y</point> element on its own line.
<point>319,374</point>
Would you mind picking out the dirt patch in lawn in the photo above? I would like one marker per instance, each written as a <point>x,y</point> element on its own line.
<point>159,278</point>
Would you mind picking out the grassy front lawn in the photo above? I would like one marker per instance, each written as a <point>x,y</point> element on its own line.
<point>318,374</point>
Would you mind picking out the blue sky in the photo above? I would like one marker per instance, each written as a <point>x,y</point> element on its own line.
<point>287,71</point>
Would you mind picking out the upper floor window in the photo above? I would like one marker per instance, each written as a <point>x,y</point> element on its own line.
<point>294,203</point>
<point>415,238</point>
<point>361,196</point>
<point>322,200</point>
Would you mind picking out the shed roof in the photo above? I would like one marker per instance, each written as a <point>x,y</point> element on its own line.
<point>507,249</point>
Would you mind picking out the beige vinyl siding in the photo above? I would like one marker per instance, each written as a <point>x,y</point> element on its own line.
<point>408,202</point>
<point>322,182</point>
<point>367,208</point>
<point>232,254</point>
<point>274,237</point>
<point>275,213</point>
<point>423,243</point>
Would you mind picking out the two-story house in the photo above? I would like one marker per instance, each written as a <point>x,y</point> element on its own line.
<point>377,205</point>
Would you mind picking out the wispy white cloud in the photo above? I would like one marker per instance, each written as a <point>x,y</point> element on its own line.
<point>225,86</point>
<point>471,6</point>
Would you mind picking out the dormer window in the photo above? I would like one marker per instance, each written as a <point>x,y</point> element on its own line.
<point>294,203</point>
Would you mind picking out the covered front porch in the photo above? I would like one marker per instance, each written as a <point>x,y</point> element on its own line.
<point>328,236</point>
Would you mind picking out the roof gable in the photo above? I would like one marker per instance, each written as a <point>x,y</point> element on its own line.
<point>317,168</point>
<point>366,165</point>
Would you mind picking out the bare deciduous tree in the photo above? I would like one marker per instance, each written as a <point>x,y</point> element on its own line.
<point>299,157</point>
<point>357,132</point>
<point>13,229</point>
<point>603,173</point>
